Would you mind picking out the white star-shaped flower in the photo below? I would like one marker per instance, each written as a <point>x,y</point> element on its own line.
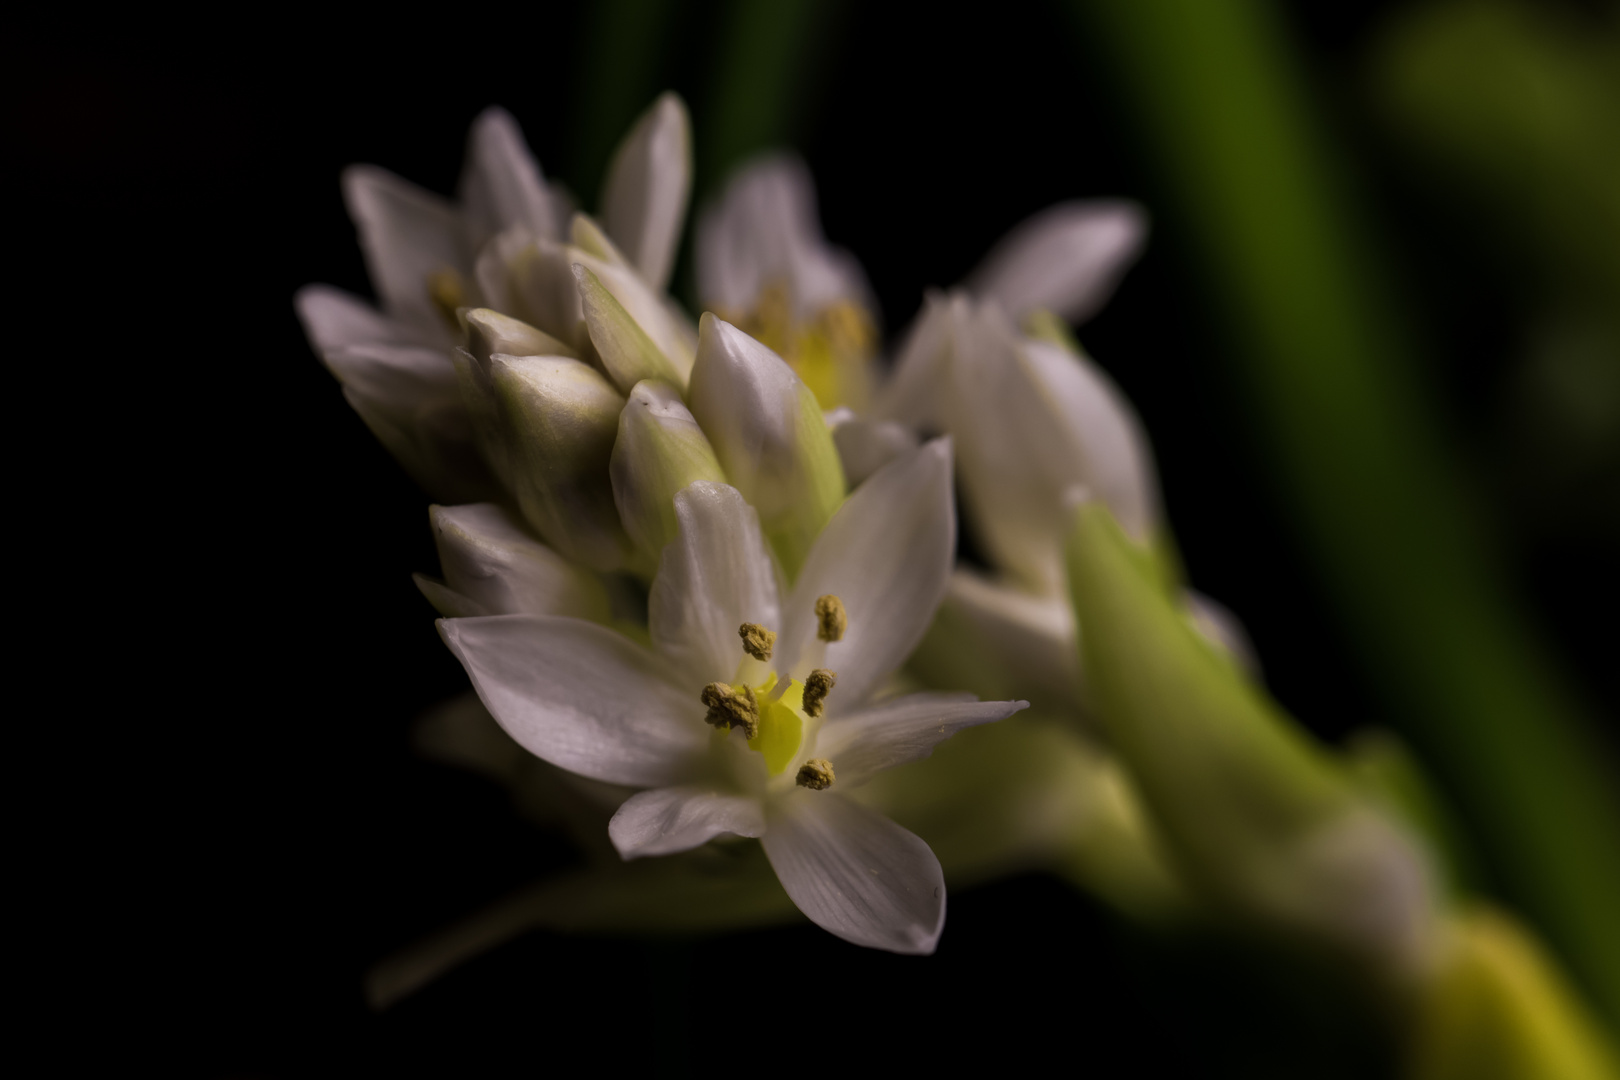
<point>756,706</point>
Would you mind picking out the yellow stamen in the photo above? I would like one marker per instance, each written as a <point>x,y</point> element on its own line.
<point>816,774</point>
<point>757,641</point>
<point>817,685</point>
<point>834,620</point>
<point>730,708</point>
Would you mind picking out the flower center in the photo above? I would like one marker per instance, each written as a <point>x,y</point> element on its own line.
<point>772,714</point>
<point>831,350</point>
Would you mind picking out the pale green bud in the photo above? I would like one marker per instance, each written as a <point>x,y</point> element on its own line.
<point>561,418</point>
<point>769,435</point>
<point>1496,1007</point>
<point>1257,815</point>
<point>628,354</point>
<point>490,333</point>
<point>660,450</point>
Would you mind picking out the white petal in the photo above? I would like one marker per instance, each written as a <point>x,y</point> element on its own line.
<point>1000,642</point>
<point>1066,259</point>
<point>1117,464</point>
<point>855,873</point>
<point>409,399</point>
<point>488,558</point>
<point>902,729</point>
<point>668,820</point>
<point>865,446</point>
<point>644,196</point>
<point>887,555</point>
<point>582,697</point>
<point>713,577</point>
<point>407,235</point>
<point>915,394</point>
<point>765,230</point>
<point>501,185</point>
<point>334,319</point>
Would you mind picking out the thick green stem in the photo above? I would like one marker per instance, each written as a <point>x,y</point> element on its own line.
<point>1248,179</point>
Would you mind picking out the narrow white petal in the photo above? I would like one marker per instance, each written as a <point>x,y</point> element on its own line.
<point>582,697</point>
<point>644,196</point>
<point>764,229</point>
<point>667,820</point>
<point>488,557</point>
<point>855,873</point>
<point>1066,259</point>
<point>409,399</point>
<point>501,185</point>
<point>999,641</point>
<point>887,555</point>
<point>899,730</point>
<point>915,394</point>
<point>713,577</point>
<point>407,235</point>
<point>865,446</point>
<point>334,319</point>
<point>1116,462</point>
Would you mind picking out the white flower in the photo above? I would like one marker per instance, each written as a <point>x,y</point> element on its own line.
<point>735,731</point>
<point>763,264</point>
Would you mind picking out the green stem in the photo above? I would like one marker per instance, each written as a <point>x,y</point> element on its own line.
<point>1252,185</point>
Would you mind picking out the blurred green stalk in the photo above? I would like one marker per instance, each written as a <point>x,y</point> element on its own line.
<point>766,55</point>
<point>1335,386</point>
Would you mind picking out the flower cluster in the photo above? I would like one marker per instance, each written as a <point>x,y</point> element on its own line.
<point>702,564</point>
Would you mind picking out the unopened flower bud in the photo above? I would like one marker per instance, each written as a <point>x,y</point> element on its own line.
<point>561,419</point>
<point>493,567</point>
<point>659,451</point>
<point>768,434</point>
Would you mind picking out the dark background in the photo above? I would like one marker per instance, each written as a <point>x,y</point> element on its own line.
<point>230,827</point>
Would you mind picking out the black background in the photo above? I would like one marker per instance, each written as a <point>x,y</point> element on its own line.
<point>223,825</point>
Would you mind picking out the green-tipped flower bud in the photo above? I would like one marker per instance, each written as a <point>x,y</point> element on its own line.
<point>660,450</point>
<point>1258,816</point>
<point>493,567</point>
<point>561,418</point>
<point>628,353</point>
<point>489,332</point>
<point>769,435</point>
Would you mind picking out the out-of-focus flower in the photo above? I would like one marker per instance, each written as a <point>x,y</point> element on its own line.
<point>788,684</point>
<point>763,264</point>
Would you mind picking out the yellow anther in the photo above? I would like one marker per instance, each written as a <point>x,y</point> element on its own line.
<point>816,774</point>
<point>817,685</point>
<point>448,292</point>
<point>757,641</point>
<point>830,613</point>
<point>730,708</point>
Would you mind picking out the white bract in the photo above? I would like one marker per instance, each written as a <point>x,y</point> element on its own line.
<point>757,706</point>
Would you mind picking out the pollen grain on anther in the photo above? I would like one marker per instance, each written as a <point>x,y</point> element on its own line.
<point>817,685</point>
<point>730,708</point>
<point>815,774</point>
<point>831,617</point>
<point>757,641</point>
